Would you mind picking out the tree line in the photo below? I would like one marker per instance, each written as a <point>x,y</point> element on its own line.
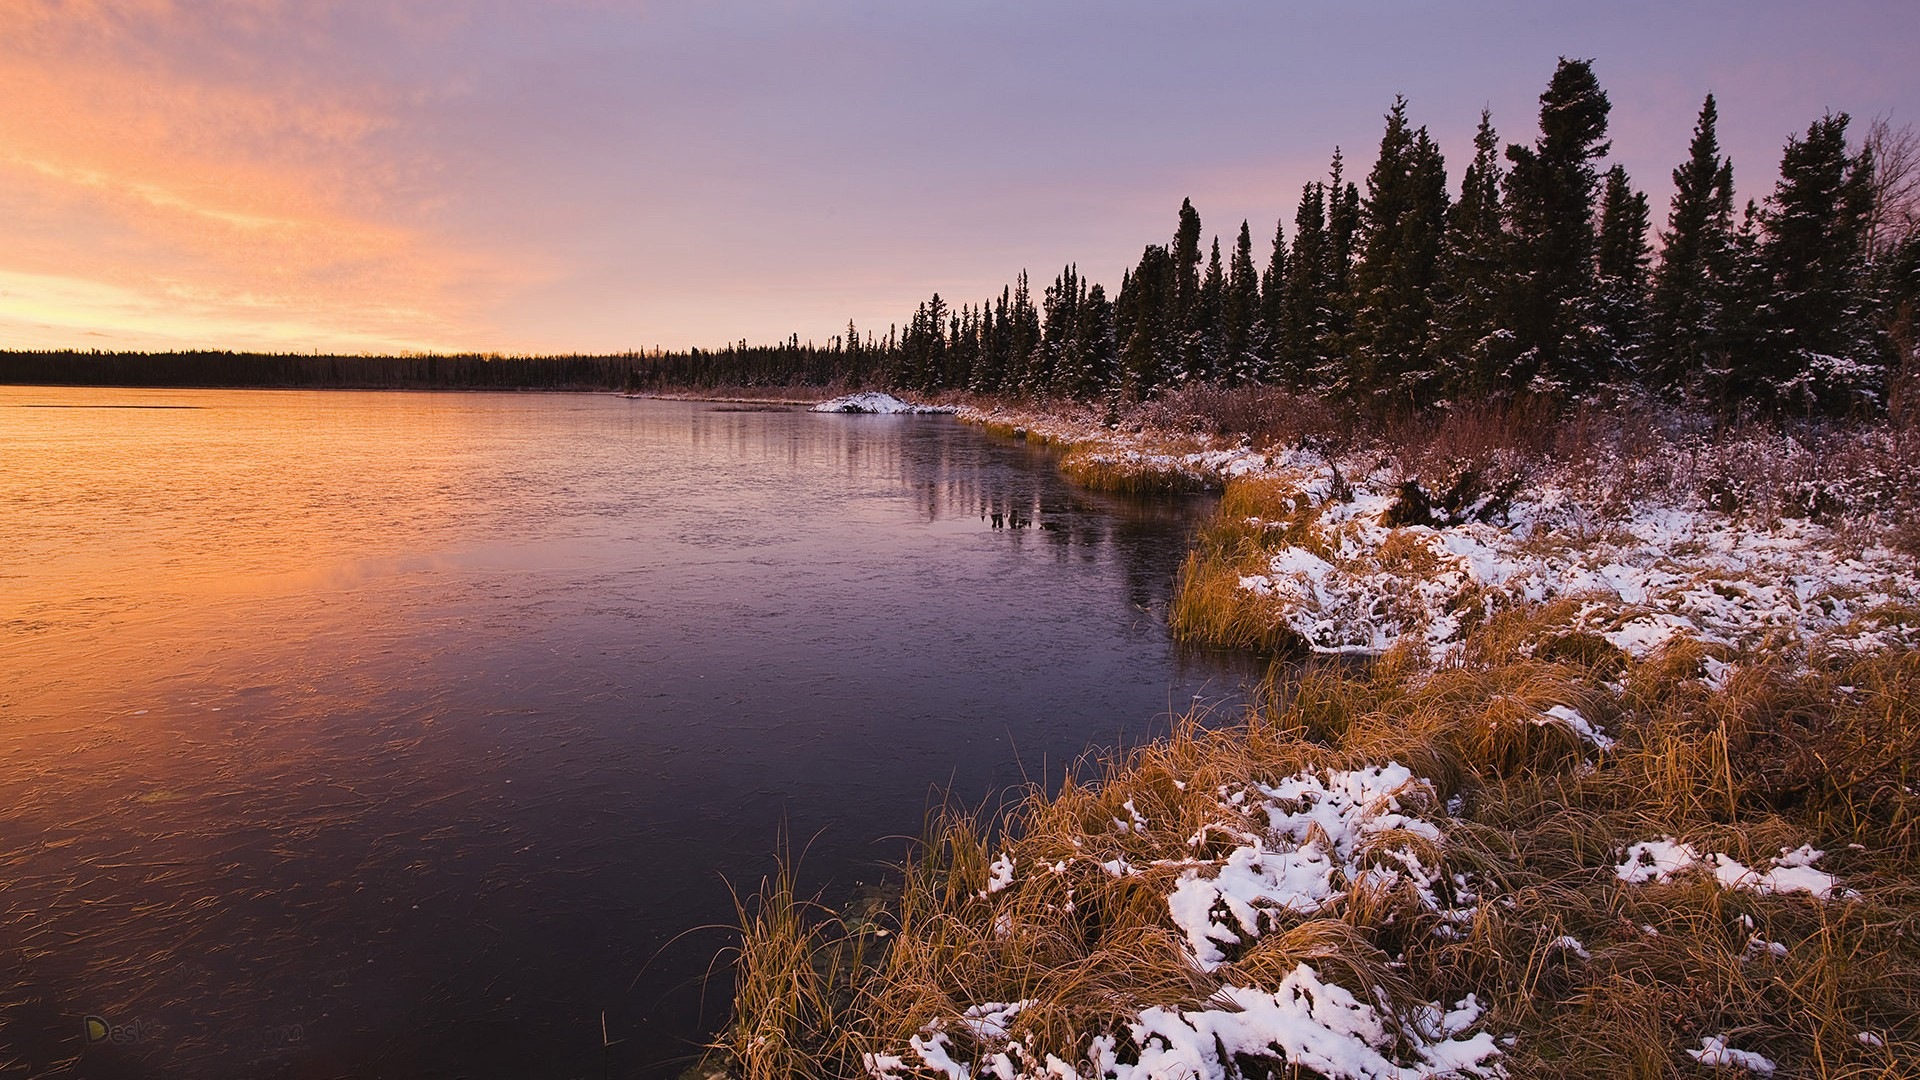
<point>1536,277</point>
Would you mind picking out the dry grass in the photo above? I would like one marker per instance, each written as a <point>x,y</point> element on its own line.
<point>1772,760</point>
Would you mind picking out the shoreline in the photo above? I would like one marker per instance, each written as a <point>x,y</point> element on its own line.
<point>1621,724</point>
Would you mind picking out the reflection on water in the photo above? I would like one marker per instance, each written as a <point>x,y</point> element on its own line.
<point>414,734</point>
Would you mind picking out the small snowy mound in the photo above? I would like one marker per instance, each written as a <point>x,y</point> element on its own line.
<point>876,402</point>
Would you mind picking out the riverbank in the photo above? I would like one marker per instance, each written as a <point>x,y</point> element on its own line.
<point>1624,788</point>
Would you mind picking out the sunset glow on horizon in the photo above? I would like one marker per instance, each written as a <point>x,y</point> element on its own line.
<point>602,176</point>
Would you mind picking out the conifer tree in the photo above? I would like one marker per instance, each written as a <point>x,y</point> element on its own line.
<point>1146,308</point>
<point>1099,373</point>
<point>1343,235</point>
<point>1471,342</point>
<point>1185,300</point>
<point>1550,201</point>
<point>1270,332</point>
<point>1023,335</point>
<point>1240,313</point>
<point>1623,258</point>
<point>1687,312</point>
<point>1303,324</point>
<point>1820,348</point>
<point>1209,323</point>
<point>1403,220</point>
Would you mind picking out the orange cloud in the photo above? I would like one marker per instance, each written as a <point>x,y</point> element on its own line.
<point>174,174</point>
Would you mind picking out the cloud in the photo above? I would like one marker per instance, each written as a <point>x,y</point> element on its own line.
<point>169,166</point>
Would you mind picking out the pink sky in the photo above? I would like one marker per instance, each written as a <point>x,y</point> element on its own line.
<point>596,175</point>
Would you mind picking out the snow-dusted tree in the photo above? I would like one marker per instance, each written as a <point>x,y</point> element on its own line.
<point>1270,333</point>
<point>1307,293</point>
<point>1240,313</point>
<point>1621,268</point>
<point>1820,349</point>
<point>1208,332</point>
<point>1688,311</point>
<point>1470,341</point>
<point>1185,299</point>
<point>1143,314</point>
<point>1402,222</point>
<point>1550,201</point>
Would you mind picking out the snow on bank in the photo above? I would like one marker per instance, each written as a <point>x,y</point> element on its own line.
<point>1643,575</point>
<point>876,402</point>
<point>1658,861</point>
<point>1306,843</point>
<point>1322,837</point>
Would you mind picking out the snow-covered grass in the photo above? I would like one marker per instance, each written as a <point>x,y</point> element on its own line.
<point>1617,778</point>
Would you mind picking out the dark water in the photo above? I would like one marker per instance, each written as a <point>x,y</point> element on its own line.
<point>414,735</point>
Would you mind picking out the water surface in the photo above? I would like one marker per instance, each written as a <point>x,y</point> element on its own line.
<point>414,735</point>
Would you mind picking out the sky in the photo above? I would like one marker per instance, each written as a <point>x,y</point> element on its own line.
<point>520,177</point>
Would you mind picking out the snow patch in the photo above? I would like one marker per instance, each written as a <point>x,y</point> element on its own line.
<point>1714,1052</point>
<point>875,402</point>
<point>1659,861</point>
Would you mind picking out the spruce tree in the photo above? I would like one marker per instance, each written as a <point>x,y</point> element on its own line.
<point>1183,318</point>
<point>1343,234</point>
<point>1146,306</point>
<point>1403,219</point>
<point>1209,321</point>
<point>1023,336</point>
<point>1687,313</point>
<point>1550,201</point>
<point>1303,322</point>
<point>1470,341</point>
<point>1270,332</point>
<point>1100,373</point>
<point>1622,261</point>
<point>1241,313</point>
<point>1820,351</point>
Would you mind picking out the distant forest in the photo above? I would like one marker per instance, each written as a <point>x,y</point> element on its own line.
<point>1539,278</point>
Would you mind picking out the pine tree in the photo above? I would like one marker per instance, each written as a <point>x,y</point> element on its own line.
<point>1550,200</point>
<point>1270,332</point>
<point>1687,313</point>
<point>1403,218</point>
<point>1241,313</point>
<point>1820,351</point>
<point>1184,316</point>
<point>1146,307</point>
<point>1471,342</point>
<point>1343,234</point>
<point>1303,322</point>
<point>1209,321</point>
<point>1023,336</point>
<point>1622,261</point>
<point>1100,373</point>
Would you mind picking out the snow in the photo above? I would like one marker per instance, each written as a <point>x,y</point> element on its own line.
<point>1317,828</point>
<point>1571,944</point>
<point>1579,725</point>
<point>1715,1052</point>
<point>1303,843</point>
<point>1647,573</point>
<point>1656,861</point>
<point>875,402</point>
<point>1659,861</point>
<point>1307,1022</point>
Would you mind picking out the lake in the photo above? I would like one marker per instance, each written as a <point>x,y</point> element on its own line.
<point>420,735</point>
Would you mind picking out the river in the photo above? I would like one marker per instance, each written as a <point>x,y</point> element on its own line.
<point>419,735</point>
